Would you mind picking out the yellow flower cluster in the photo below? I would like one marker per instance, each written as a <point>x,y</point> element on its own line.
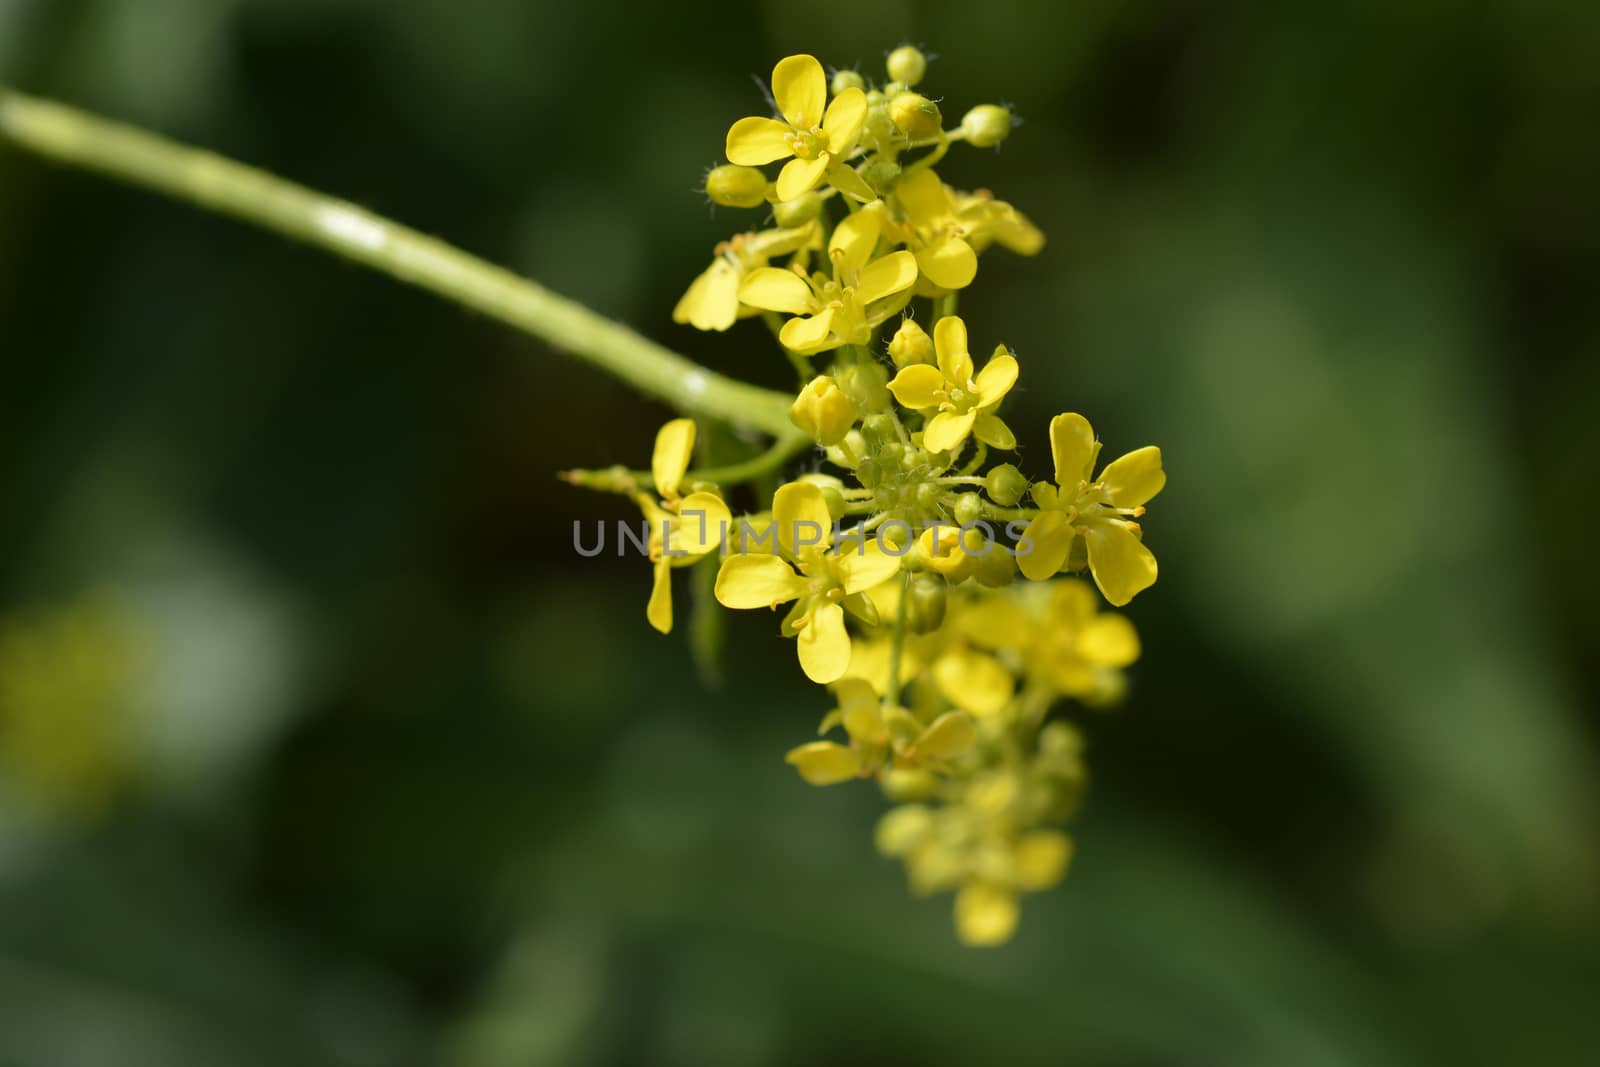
<point>899,571</point>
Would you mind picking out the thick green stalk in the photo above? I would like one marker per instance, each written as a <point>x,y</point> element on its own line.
<point>221,185</point>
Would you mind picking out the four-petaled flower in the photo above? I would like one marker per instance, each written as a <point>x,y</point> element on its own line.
<point>961,403</point>
<point>817,140</point>
<point>712,300</point>
<point>843,310</point>
<point>935,233</point>
<point>802,525</point>
<point>682,528</point>
<point>1101,511</point>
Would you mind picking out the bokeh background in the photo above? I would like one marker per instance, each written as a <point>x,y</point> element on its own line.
<point>319,746</point>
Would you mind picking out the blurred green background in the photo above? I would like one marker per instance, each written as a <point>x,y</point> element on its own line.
<point>318,745</point>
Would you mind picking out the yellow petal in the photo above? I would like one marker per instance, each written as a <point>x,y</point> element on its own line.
<point>996,379</point>
<point>844,178</point>
<point>863,566</point>
<point>1044,545</point>
<point>985,914</point>
<point>1040,859</point>
<point>917,386</point>
<point>824,646</point>
<point>757,582</point>
<point>995,622</point>
<point>754,141</point>
<point>810,334</point>
<point>886,275</point>
<point>799,176</point>
<point>854,240</point>
<point>973,681</point>
<point>824,763</point>
<point>1109,641</point>
<point>659,610</point>
<point>950,347</point>
<point>768,243</point>
<point>800,513</point>
<point>947,737</point>
<point>712,301</point>
<point>1122,566</point>
<point>1073,448</point>
<point>946,430</point>
<point>772,289</point>
<point>924,198</point>
<point>674,446</point>
<point>859,709</point>
<point>948,262</point>
<point>702,524</point>
<point>992,431</point>
<point>1134,478</point>
<point>800,88</point>
<point>842,122</point>
<point>1073,604</point>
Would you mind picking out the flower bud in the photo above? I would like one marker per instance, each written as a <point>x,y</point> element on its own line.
<point>907,64</point>
<point>850,452</point>
<point>734,186</point>
<point>995,568</point>
<point>968,509</point>
<point>1005,485</point>
<point>910,344</point>
<point>866,383</point>
<point>799,211</point>
<point>902,785</point>
<point>823,411</point>
<point>847,79</point>
<point>880,174</point>
<point>832,492</point>
<point>926,600</point>
<point>878,430</point>
<point>986,125</point>
<point>916,115</point>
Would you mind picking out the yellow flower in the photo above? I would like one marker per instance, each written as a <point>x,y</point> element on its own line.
<point>961,403</point>
<point>682,528</point>
<point>712,301</point>
<point>1062,637</point>
<point>878,735</point>
<point>814,141</point>
<point>935,232</point>
<point>801,525</point>
<point>1100,511</point>
<point>987,221</point>
<point>843,310</point>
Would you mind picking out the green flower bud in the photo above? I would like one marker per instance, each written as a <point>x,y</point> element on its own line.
<point>847,79</point>
<point>910,344</point>
<point>986,125</point>
<point>869,473</point>
<point>799,211</point>
<point>894,536</point>
<point>880,174</point>
<point>1005,485</point>
<point>925,602</point>
<point>903,785</point>
<point>878,429</point>
<point>907,64</point>
<point>928,496</point>
<point>916,115</point>
<point>832,492</point>
<point>995,568</point>
<point>850,452</point>
<point>823,411</point>
<point>733,186</point>
<point>969,508</point>
<point>866,383</point>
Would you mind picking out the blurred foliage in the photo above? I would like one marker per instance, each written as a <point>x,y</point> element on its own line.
<point>402,784</point>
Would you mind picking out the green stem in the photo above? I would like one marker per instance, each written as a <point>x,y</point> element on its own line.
<point>122,152</point>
